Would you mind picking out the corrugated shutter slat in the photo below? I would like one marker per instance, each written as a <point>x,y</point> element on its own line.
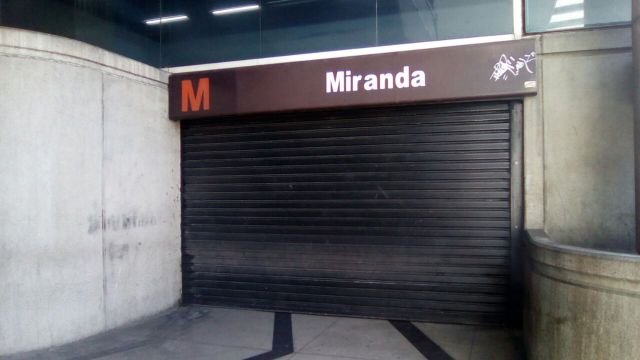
<point>393,213</point>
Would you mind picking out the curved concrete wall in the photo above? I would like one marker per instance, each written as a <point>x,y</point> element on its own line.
<point>580,304</point>
<point>89,191</point>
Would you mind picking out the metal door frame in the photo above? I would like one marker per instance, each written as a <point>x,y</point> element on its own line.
<point>517,213</point>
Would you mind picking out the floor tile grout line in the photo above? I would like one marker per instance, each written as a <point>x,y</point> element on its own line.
<point>333,356</point>
<point>113,351</point>
<point>317,336</point>
<point>219,317</point>
<point>217,345</point>
<point>220,345</point>
<point>151,341</point>
<point>473,344</point>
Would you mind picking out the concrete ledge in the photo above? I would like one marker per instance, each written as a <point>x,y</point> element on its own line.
<point>586,40</point>
<point>27,43</point>
<point>580,303</point>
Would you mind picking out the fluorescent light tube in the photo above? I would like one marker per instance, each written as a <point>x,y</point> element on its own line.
<point>573,15</point>
<point>166,19</point>
<point>565,3</point>
<point>235,10</point>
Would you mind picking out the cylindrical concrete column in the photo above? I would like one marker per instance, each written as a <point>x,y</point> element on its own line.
<point>636,76</point>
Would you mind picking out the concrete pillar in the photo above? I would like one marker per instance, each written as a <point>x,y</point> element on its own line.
<point>636,76</point>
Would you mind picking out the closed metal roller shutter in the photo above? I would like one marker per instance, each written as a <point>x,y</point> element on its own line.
<point>399,213</point>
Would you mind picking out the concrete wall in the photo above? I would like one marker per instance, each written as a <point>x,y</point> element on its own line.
<point>579,140</point>
<point>636,101</point>
<point>580,304</point>
<point>89,191</point>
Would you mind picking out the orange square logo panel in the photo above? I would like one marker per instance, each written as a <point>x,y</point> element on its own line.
<point>196,98</point>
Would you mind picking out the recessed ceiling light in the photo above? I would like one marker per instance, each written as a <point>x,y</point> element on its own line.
<point>234,10</point>
<point>166,19</point>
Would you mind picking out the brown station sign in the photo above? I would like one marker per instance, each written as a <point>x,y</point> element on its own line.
<point>493,70</point>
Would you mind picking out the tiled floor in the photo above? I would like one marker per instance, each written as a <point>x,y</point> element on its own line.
<point>197,332</point>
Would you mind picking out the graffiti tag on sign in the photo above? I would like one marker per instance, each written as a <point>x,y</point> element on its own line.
<point>508,65</point>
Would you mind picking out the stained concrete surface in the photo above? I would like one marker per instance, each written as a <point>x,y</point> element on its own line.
<point>141,201</point>
<point>50,181</point>
<point>198,332</point>
<point>90,199</point>
<point>586,103</point>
